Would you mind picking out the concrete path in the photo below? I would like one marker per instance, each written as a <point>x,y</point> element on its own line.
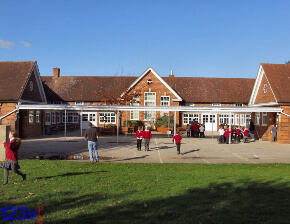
<point>162,150</point>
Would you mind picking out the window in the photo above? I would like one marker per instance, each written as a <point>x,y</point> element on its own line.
<point>248,118</point>
<point>31,116</point>
<point>257,118</point>
<point>188,118</point>
<point>208,118</point>
<point>225,119</point>
<point>237,119</point>
<point>53,118</point>
<point>38,116</point>
<point>71,117</point>
<point>265,88</point>
<point>56,102</point>
<point>134,115</point>
<point>216,104</point>
<point>149,100</point>
<point>58,118</point>
<point>238,105</point>
<point>165,101</point>
<point>264,118</point>
<point>107,118</point>
<point>47,117</point>
<point>243,122</point>
<point>85,117</point>
<point>79,103</point>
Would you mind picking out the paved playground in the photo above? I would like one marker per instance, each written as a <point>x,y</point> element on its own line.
<point>162,150</point>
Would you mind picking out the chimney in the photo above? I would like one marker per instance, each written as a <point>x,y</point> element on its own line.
<point>171,75</point>
<point>56,72</point>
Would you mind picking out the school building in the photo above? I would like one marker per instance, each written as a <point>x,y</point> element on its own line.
<point>21,83</point>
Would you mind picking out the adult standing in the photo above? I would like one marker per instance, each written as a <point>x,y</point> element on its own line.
<point>11,158</point>
<point>252,129</point>
<point>274,133</point>
<point>147,136</point>
<point>92,136</point>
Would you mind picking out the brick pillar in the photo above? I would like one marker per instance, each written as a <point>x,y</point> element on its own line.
<point>4,136</point>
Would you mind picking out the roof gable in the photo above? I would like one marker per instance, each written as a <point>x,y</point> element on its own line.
<point>150,71</point>
<point>13,78</point>
<point>277,76</point>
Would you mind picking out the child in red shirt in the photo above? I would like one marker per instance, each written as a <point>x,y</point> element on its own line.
<point>147,136</point>
<point>246,134</point>
<point>11,159</point>
<point>238,134</point>
<point>177,139</point>
<point>139,137</point>
<point>227,134</point>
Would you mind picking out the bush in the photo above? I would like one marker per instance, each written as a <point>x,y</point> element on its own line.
<point>129,123</point>
<point>163,121</point>
<point>132,123</point>
<point>111,126</point>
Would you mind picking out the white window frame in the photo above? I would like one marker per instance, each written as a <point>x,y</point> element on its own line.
<point>216,104</point>
<point>58,117</point>
<point>163,102</point>
<point>189,117</point>
<point>242,120</point>
<point>79,103</point>
<point>208,118</point>
<point>71,117</point>
<point>31,116</point>
<point>148,114</point>
<point>38,116</point>
<point>237,119</point>
<point>238,104</point>
<point>247,119</point>
<point>257,118</point>
<point>264,115</point>
<point>134,114</point>
<point>225,119</point>
<point>110,116</point>
<point>53,117</point>
<point>48,117</point>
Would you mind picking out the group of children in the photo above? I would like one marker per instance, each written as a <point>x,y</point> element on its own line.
<point>146,135</point>
<point>236,134</point>
<point>195,130</point>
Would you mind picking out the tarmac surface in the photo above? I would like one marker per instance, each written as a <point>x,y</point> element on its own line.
<point>162,150</point>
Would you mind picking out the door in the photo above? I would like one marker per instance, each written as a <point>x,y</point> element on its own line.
<point>210,122</point>
<point>89,117</point>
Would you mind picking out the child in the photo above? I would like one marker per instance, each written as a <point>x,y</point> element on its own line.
<point>238,134</point>
<point>227,134</point>
<point>201,131</point>
<point>188,130</point>
<point>221,132</point>
<point>147,136</point>
<point>246,135</point>
<point>177,139</point>
<point>11,159</point>
<point>139,137</point>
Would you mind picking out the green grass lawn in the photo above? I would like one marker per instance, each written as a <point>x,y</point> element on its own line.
<point>75,192</point>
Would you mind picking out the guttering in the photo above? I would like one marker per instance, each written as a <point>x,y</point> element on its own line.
<point>7,115</point>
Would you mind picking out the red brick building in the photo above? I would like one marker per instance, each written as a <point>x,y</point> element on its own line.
<point>149,89</point>
<point>20,83</point>
<point>271,90</point>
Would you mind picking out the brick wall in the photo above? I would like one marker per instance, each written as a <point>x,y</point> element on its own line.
<point>265,97</point>
<point>6,108</point>
<point>33,94</point>
<point>283,134</point>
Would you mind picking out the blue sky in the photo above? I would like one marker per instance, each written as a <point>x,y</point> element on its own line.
<point>124,37</point>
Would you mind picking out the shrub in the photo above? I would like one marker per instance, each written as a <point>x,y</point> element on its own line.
<point>111,126</point>
<point>163,121</point>
<point>129,123</point>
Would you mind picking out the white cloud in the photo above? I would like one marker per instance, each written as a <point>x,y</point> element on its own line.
<point>26,44</point>
<point>7,44</point>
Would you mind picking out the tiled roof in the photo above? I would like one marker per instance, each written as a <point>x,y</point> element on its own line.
<point>279,79</point>
<point>212,90</point>
<point>191,89</point>
<point>83,88</point>
<point>13,76</point>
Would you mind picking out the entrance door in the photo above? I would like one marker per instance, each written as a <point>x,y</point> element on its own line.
<point>89,117</point>
<point>210,122</point>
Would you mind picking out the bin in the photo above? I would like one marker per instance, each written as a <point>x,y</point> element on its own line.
<point>47,129</point>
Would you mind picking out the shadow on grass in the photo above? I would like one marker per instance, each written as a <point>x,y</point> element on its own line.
<point>246,201</point>
<point>68,174</point>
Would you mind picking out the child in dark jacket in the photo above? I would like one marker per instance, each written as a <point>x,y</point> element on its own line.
<point>177,139</point>
<point>11,160</point>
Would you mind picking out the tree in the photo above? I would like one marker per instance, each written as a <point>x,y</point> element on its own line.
<point>287,62</point>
